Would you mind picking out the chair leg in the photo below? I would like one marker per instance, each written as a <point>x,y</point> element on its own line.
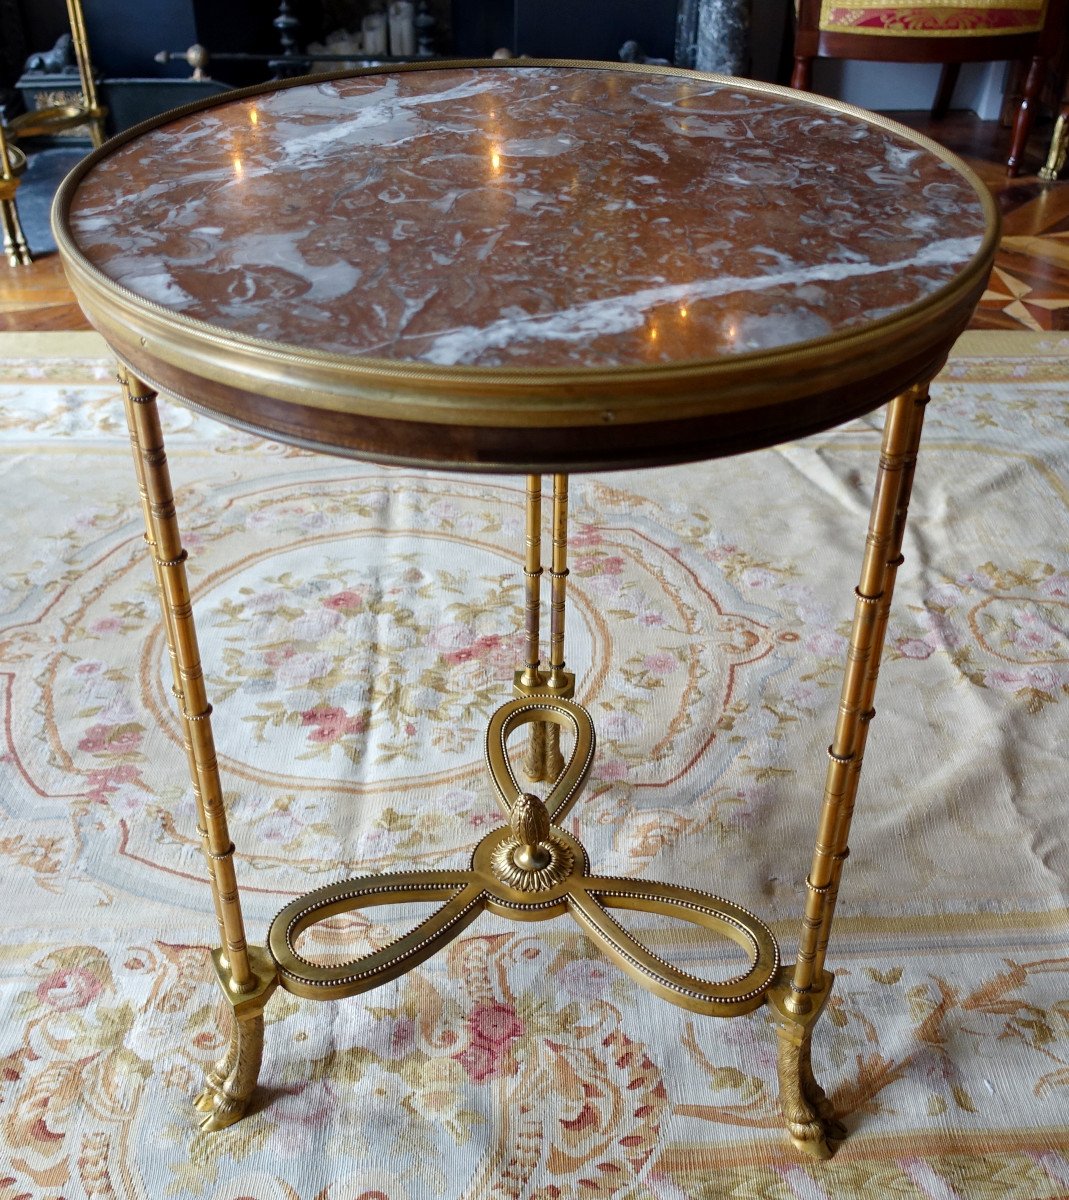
<point>948,79</point>
<point>802,76</point>
<point>1025,114</point>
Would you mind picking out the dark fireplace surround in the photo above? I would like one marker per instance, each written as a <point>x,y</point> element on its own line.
<point>126,35</point>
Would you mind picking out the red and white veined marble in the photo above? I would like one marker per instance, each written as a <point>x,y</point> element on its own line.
<point>527,217</point>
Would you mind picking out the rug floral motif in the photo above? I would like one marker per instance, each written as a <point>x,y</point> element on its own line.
<point>358,626</point>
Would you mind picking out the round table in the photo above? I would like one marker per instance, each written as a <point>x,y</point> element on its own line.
<point>536,267</point>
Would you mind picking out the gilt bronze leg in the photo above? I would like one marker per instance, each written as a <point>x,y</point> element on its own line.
<point>544,761</point>
<point>798,1000</point>
<point>247,974</point>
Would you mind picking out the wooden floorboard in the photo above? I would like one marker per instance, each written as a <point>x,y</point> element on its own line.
<point>1029,288</point>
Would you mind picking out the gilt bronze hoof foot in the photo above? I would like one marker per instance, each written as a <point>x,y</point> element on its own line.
<point>224,1113</point>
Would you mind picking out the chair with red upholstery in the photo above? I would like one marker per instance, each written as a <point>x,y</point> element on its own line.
<point>942,31</point>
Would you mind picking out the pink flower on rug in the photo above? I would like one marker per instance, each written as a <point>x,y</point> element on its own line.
<point>587,535</point>
<point>73,987</point>
<point>613,769</point>
<point>111,739</point>
<point>914,648</point>
<point>1056,586</point>
<point>332,723</point>
<point>803,693</point>
<point>977,579</point>
<point>494,1024</point>
<point>101,784</point>
<point>620,725</point>
<point>492,1028</point>
<point>106,625</point>
<point>759,578</point>
<point>586,978</point>
<point>598,564</point>
<point>493,648</point>
<point>1030,632</point>
<point>1041,679</point>
<point>660,663</point>
<point>275,657</point>
<point>349,601</point>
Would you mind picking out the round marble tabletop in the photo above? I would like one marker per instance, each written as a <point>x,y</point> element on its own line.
<point>527,265</point>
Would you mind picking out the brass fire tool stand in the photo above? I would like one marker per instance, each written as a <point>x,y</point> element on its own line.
<point>86,110</point>
<point>12,164</point>
<point>531,869</point>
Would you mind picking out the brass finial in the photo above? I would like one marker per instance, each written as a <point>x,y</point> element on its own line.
<point>530,827</point>
<point>534,858</point>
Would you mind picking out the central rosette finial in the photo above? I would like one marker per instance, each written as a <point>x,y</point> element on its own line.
<point>533,859</point>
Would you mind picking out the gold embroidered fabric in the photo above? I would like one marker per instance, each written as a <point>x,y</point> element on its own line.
<point>933,18</point>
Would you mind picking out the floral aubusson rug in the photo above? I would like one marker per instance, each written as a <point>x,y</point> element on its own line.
<point>358,626</point>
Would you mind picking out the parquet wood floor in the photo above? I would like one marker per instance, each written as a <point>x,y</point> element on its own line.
<point>1029,288</point>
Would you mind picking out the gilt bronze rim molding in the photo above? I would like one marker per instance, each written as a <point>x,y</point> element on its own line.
<point>168,349</point>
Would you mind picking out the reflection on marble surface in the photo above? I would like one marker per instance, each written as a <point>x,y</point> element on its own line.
<point>527,217</point>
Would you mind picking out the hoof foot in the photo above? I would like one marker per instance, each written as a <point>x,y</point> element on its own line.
<point>811,1139</point>
<point>224,1114</point>
<point>205,1102</point>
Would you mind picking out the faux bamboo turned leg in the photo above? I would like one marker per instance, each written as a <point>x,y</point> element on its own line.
<point>172,642</point>
<point>898,452</point>
<point>809,1117</point>
<point>229,1085</point>
<point>559,679</point>
<point>531,677</point>
<point>868,693</point>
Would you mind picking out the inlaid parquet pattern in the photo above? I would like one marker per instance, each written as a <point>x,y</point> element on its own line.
<point>1029,288</point>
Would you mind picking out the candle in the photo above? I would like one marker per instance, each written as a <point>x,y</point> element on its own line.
<point>402,28</point>
<point>374,30</point>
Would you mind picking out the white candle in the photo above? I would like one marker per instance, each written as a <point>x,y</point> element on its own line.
<point>374,30</point>
<point>402,27</point>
